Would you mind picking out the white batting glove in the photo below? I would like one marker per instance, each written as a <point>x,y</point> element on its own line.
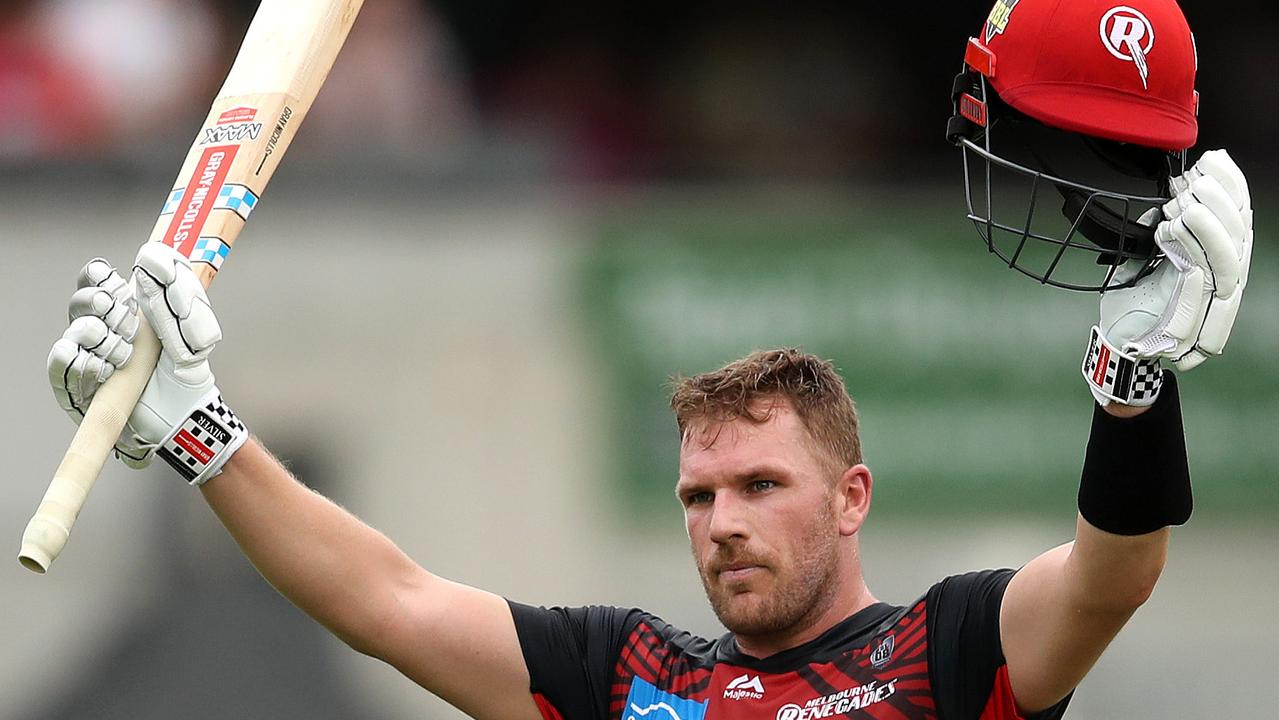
<point>180,416</point>
<point>104,320</point>
<point>1185,308</point>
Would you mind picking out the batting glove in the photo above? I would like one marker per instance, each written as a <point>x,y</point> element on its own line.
<point>181,416</point>
<point>1182,311</point>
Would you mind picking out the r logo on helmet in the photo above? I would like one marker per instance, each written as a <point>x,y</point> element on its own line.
<point>1128,35</point>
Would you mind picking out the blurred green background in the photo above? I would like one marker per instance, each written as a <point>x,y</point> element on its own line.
<point>966,375</point>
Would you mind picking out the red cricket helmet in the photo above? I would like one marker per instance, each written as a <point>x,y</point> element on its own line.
<point>1118,79</point>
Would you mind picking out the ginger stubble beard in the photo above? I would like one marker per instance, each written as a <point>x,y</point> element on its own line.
<point>799,594</point>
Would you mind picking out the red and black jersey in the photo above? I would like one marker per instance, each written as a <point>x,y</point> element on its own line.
<point>939,657</point>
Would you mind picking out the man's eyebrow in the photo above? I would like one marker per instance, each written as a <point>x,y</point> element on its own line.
<point>762,470</point>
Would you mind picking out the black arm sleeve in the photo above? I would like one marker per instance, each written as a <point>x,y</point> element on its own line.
<point>571,654</point>
<point>965,653</point>
<point>1136,477</point>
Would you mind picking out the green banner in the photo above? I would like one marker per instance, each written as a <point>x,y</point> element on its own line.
<point>965,374</point>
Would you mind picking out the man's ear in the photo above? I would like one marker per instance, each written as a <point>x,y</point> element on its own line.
<point>852,498</point>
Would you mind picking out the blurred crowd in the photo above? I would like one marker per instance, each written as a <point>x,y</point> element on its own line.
<point>85,80</point>
<point>804,90</point>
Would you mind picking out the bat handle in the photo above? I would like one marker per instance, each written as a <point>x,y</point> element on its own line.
<point>50,527</point>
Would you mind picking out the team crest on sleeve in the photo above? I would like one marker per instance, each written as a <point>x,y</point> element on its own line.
<point>646,702</point>
<point>998,18</point>
<point>1129,36</point>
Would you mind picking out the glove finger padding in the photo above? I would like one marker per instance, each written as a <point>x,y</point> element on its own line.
<point>102,292</point>
<point>81,360</point>
<point>1215,249</point>
<point>1216,328</point>
<point>1245,259</point>
<point>75,374</point>
<point>92,334</point>
<point>98,303</point>
<point>175,303</point>
<point>1209,192</point>
<point>1218,164</point>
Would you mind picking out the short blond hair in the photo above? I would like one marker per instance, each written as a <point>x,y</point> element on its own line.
<point>811,385</point>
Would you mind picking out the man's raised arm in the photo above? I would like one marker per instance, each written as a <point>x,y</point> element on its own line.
<point>1063,608</point>
<point>455,641</point>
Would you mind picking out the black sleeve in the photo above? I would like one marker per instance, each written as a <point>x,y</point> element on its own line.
<point>1136,476</point>
<point>571,653</point>
<point>965,655</point>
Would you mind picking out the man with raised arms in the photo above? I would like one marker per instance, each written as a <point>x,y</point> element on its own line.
<point>774,493</point>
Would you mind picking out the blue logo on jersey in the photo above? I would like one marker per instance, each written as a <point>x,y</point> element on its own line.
<point>646,702</point>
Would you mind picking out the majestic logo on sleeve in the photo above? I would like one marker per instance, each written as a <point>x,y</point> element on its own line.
<point>998,18</point>
<point>746,686</point>
<point>646,702</point>
<point>1129,36</point>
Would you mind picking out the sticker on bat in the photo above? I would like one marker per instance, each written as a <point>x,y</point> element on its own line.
<point>171,203</point>
<point>198,197</point>
<point>235,133</point>
<point>239,114</point>
<point>210,250</point>
<point>231,197</point>
<point>238,198</point>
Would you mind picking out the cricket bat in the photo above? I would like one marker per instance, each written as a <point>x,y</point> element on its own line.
<point>285,57</point>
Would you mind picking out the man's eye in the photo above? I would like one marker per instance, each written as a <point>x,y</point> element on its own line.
<point>698,498</point>
<point>762,485</point>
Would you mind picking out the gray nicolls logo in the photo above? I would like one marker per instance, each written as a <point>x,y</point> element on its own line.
<point>746,686</point>
<point>1129,36</point>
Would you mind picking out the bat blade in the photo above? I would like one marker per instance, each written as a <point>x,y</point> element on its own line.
<point>284,59</point>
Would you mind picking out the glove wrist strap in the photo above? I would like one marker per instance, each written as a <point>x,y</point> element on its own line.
<point>1116,376</point>
<point>202,443</point>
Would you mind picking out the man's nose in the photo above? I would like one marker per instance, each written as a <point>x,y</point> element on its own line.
<point>728,518</point>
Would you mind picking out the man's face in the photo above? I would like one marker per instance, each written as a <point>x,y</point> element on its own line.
<point>760,511</point>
